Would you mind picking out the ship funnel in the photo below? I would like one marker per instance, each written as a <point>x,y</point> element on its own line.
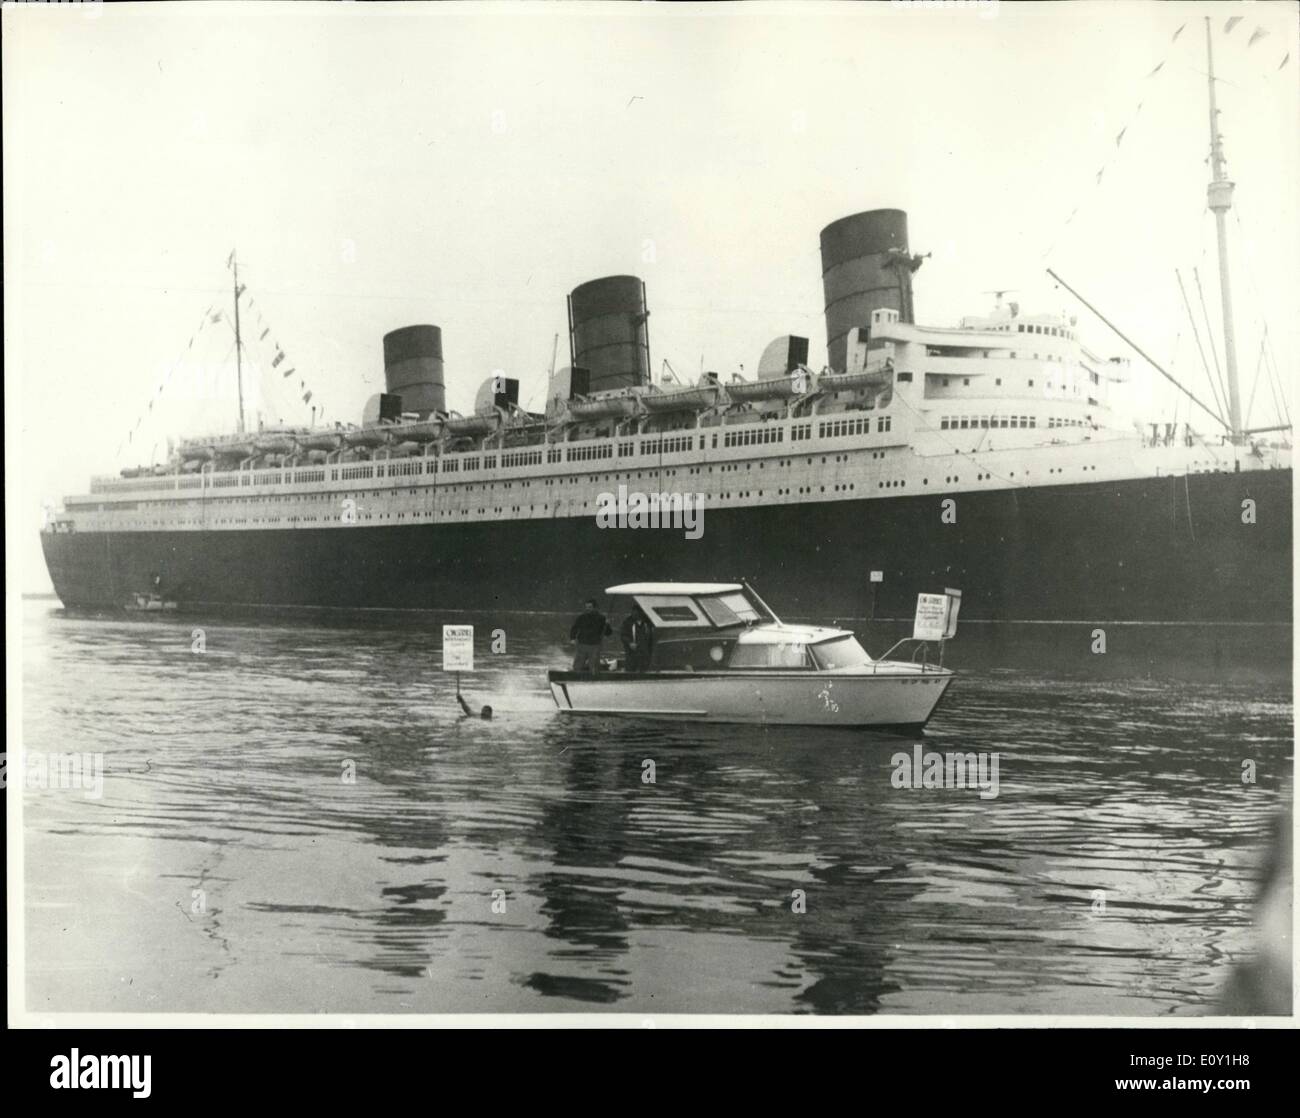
<point>413,369</point>
<point>865,266</point>
<point>608,335</point>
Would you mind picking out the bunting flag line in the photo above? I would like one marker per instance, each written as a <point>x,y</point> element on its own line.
<point>212,316</point>
<point>1119,138</point>
<point>208,317</point>
<point>1255,36</point>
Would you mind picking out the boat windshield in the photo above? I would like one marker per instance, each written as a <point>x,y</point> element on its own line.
<point>839,653</point>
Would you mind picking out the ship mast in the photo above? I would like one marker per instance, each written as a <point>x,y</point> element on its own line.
<point>1220,200</point>
<point>239,347</point>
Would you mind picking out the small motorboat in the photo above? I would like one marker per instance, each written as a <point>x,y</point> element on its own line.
<point>148,603</point>
<point>719,654</point>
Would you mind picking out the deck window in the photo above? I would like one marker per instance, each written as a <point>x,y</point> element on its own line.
<point>741,606</point>
<point>719,612</point>
<point>671,611</point>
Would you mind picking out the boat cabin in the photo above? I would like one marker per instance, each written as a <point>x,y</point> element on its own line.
<point>719,626</point>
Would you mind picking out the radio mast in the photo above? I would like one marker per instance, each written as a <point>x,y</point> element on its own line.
<point>1219,194</point>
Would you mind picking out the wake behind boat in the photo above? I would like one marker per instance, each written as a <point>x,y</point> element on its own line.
<point>717,653</point>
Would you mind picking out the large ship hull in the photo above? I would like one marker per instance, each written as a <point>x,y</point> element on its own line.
<point>1185,548</point>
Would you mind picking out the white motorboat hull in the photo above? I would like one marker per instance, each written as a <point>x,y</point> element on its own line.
<point>896,696</point>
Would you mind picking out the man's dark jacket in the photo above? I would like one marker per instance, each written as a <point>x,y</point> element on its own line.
<point>590,628</point>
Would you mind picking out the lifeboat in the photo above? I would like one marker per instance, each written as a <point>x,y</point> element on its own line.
<point>683,399</point>
<point>235,448</point>
<point>424,431</point>
<point>602,407</point>
<point>839,382</point>
<point>319,440</point>
<point>274,442</point>
<point>773,388</point>
<point>464,426</point>
<point>366,436</point>
<point>197,449</point>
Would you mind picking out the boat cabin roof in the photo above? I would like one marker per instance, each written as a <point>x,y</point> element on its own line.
<point>790,634</point>
<point>634,588</point>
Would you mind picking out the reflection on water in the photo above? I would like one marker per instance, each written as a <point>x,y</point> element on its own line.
<point>298,819</point>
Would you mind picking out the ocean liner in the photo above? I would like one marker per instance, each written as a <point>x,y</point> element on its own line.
<point>986,456</point>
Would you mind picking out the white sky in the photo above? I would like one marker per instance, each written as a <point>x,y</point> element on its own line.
<point>468,165</point>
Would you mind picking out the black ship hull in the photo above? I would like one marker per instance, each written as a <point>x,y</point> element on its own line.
<point>1151,549</point>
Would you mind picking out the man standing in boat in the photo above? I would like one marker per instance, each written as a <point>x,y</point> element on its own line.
<point>635,634</point>
<point>587,632</point>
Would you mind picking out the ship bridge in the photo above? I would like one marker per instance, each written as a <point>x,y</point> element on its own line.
<point>1005,370</point>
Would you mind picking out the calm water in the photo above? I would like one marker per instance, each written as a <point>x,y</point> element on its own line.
<point>229,866</point>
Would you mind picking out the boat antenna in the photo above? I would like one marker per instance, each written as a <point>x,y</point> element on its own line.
<point>1219,194</point>
<point>239,364</point>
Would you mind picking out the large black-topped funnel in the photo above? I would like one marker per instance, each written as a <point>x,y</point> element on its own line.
<point>413,368</point>
<point>608,334</point>
<point>865,266</point>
